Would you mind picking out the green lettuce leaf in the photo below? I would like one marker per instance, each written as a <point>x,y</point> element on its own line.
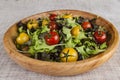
<point>90,48</point>
<point>44,29</point>
<point>103,45</point>
<point>66,31</point>
<point>70,43</point>
<point>82,51</point>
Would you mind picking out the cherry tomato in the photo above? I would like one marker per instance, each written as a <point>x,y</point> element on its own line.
<point>44,22</point>
<point>69,55</point>
<point>22,38</point>
<point>67,16</point>
<point>86,25</point>
<point>100,36</point>
<point>75,31</point>
<point>53,25</point>
<point>52,17</point>
<point>32,24</point>
<point>52,38</point>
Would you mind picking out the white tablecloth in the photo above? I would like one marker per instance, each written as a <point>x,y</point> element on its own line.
<point>14,10</point>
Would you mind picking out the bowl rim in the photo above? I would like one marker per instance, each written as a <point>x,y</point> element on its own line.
<point>22,57</point>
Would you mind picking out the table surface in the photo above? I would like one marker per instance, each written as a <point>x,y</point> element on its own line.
<point>12,11</point>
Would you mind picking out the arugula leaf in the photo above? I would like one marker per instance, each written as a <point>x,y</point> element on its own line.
<point>72,22</point>
<point>66,31</point>
<point>70,43</point>
<point>82,51</point>
<point>77,40</point>
<point>41,46</point>
<point>44,29</point>
<point>20,29</point>
<point>32,50</point>
<point>91,52</point>
<point>90,48</point>
<point>103,45</point>
<point>38,45</point>
<point>81,35</point>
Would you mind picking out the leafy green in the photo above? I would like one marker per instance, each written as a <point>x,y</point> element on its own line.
<point>32,50</point>
<point>103,45</point>
<point>70,22</point>
<point>66,31</point>
<point>20,29</point>
<point>44,29</point>
<point>70,43</point>
<point>81,35</point>
<point>82,51</point>
<point>38,45</point>
<point>89,48</point>
<point>84,43</point>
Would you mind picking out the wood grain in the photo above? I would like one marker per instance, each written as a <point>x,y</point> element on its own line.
<point>61,68</point>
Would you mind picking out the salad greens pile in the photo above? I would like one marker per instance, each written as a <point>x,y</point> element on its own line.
<point>48,38</point>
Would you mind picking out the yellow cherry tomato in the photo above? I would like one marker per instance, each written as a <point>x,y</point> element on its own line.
<point>69,55</point>
<point>44,22</point>
<point>22,38</point>
<point>67,16</point>
<point>75,31</point>
<point>32,24</point>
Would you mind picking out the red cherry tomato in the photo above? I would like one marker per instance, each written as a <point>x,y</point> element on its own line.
<point>53,25</point>
<point>52,38</point>
<point>86,25</point>
<point>52,17</point>
<point>100,36</point>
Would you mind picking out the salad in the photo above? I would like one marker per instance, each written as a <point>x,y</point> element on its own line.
<point>61,38</point>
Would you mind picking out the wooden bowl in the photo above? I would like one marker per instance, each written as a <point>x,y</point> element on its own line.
<point>61,68</point>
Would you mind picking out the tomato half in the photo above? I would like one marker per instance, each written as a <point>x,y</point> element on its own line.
<point>100,36</point>
<point>52,38</point>
<point>86,25</point>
